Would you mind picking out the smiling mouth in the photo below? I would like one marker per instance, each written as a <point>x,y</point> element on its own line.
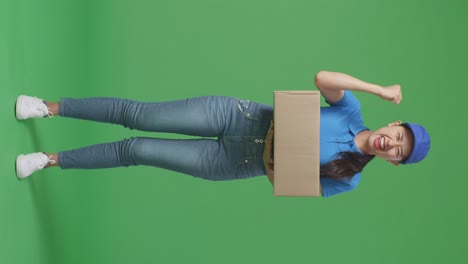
<point>379,143</point>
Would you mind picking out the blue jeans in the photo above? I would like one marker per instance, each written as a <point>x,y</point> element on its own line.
<point>240,127</point>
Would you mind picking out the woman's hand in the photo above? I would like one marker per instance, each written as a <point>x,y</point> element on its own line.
<point>391,93</point>
<point>268,154</point>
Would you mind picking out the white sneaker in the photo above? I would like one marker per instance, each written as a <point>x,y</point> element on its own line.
<point>28,164</point>
<point>30,107</point>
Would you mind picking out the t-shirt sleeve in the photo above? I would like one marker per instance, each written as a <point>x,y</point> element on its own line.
<point>332,187</point>
<point>347,101</point>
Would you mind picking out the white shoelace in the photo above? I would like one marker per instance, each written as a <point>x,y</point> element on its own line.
<point>49,113</point>
<point>44,109</point>
<point>49,160</point>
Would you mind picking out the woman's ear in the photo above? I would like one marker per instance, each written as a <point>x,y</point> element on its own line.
<point>396,123</point>
<point>396,163</point>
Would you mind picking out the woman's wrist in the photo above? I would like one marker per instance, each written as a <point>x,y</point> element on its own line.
<point>378,90</point>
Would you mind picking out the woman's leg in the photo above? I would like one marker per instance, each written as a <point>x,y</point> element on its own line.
<point>198,116</point>
<point>53,108</point>
<point>237,154</point>
<point>205,158</point>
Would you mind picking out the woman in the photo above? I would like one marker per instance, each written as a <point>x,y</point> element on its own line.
<point>244,131</point>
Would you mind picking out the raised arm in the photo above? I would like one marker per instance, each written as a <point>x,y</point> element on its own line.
<point>332,85</point>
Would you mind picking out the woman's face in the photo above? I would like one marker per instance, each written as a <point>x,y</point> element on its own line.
<point>392,143</point>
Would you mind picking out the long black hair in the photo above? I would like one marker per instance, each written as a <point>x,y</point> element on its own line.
<point>348,164</point>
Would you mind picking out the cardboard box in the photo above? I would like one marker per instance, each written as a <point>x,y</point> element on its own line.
<point>296,143</point>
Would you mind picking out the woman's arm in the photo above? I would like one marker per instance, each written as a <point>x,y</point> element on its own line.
<point>332,85</point>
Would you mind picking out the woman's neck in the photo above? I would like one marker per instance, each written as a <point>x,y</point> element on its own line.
<point>361,141</point>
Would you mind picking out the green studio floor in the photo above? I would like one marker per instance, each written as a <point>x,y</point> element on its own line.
<point>165,50</point>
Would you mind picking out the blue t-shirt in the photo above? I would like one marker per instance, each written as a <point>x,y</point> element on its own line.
<point>339,124</point>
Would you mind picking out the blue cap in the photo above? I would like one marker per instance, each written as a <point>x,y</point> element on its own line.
<point>421,143</point>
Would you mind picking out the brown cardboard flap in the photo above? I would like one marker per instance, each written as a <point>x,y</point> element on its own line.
<point>297,143</point>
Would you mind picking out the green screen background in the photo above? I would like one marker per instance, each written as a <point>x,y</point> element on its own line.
<point>166,50</point>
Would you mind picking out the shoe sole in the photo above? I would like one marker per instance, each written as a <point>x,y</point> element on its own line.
<point>19,107</point>
<point>19,159</point>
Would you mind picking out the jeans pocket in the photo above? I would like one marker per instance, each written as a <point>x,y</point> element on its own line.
<point>246,107</point>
